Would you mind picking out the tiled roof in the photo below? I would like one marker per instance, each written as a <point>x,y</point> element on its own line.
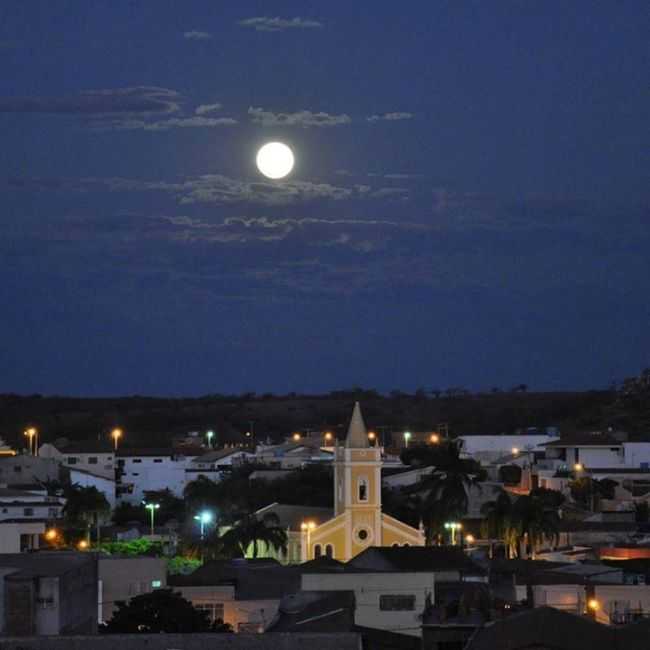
<point>416,559</point>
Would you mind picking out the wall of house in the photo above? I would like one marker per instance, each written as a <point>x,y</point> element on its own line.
<point>23,469</point>
<point>151,473</point>
<point>616,601</point>
<point>121,578</point>
<point>369,588</point>
<point>636,453</point>
<point>105,485</point>
<point>10,535</point>
<point>101,463</point>
<point>596,456</point>
<point>37,507</point>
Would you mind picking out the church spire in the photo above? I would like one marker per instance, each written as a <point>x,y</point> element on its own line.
<point>357,437</point>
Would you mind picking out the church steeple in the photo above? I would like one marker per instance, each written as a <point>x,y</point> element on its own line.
<point>357,437</point>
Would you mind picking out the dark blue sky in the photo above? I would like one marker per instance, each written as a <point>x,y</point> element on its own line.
<point>469,207</point>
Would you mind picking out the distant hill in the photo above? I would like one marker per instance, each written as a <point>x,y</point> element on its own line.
<point>154,421</point>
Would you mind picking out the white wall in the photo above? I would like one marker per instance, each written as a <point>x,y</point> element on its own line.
<point>636,453</point>
<point>10,535</point>
<point>104,485</point>
<point>596,457</point>
<point>152,473</point>
<point>492,447</point>
<point>369,587</point>
<point>101,463</point>
<point>41,507</point>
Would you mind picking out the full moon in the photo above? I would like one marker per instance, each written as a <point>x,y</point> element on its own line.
<point>275,160</point>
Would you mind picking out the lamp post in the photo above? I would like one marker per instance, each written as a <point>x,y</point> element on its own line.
<point>116,434</point>
<point>407,437</point>
<point>203,518</point>
<point>372,436</point>
<point>32,434</point>
<point>296,437</point>
<point>453,526</point>
<point>434,439</point>
<point>151,507</point>
<point>209,435</point>
<point>307,527</point>
<point>328,437</point>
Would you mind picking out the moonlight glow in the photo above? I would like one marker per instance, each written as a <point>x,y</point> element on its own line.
<point>275,160</point>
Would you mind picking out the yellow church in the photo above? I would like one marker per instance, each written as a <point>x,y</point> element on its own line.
<point>358,521</point>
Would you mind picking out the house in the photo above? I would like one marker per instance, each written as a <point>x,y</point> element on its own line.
<point>547,628</point>
<point>358,520</point>
<point>103,484</point>
<point>143,470</point>
<point>491,448</point>
<point>315,611</point>
<point>213,464</point>
<point>48,593</point>
<point>24,469</point>
<point>589,450</point>
<point>244,593</point>
<point>95,456</point>
<point>293,454</point>
<point>121,578</point>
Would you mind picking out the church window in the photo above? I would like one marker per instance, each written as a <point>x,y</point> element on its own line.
<point>396,603</point>
<point>318,551</point>
<point>329,551</point>
<point>363,534</point>
<point>363,489</point>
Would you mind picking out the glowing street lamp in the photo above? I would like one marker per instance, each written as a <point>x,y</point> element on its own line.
<point>209,435</point>
<point>434,439</point>
<point>469,539</point>
<point>578,467</point>
<point>593,605</point>
<point>151,507</point>
<point>453,526</point>
<point>51,534</point>
<point>328,436</point>
<point>307,527</point>
<point>296,437</point>
<point>515,451</point>
<point>116,434</point>
<point>372,436</point>
<point>83,545</point>
<point>407,437</point>
<point>32,434</point>
<point>203,518</point>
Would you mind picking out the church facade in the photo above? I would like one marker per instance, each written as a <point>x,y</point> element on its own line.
<point>358,521</point>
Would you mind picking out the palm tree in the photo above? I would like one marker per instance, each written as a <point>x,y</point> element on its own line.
<point>537,522</point>
<point>445,490</point>
<point>252,532</point>
<point>85,505</point>
<point>501,523</point>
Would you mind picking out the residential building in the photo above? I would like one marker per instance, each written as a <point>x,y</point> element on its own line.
<point>29,505</point>
<point>490,448</point>
<point>103,484</point>
<point>358,521</point>
<point>213,464</point>
<point>24,469</point>
<point>48,593</point>
<point>294,454</point>
<point>143,470</point>
<point>122,577</point>
<point>95,456</point>
<point>20,535</point>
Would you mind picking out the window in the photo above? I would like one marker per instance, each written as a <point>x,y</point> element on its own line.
<point>329,551</point>
<point>363,489</point>
<point>72,460</point>
<point>28,512</point>
<point>53,513</point>
<point>318,551</point>
<point>18,469</point>
<point>120,462</point>
<point>363,534</point>
<point>92,460</point>
<point>157,460</point>
<point>395,603</point>
<point>137,460</point>
<point>135,474</point>
<point>156,584</point>
<point>214,610</point>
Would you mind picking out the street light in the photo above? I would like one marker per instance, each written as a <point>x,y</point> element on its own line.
<point>296,437</point>
<point>51,534</point>
<point>151,507</point>
<point>578,467</point>
<point>469,539</point>
<point>407,437</point>
<point>209,435</point>
<point>515,451</point>
<point>434,439</point>
<point>328,436</point>
<point>372,436</point>
<point>32,434</point>
<point>453,526</point>
<point>116,434</point>
<point>203,518</point>
<point>307,527</point>
<point>593,605</point>
<point>83,545</point>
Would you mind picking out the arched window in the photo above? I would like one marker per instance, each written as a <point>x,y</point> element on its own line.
<point>363,489</point>
<point>329,551</point>
<point>318,551</point>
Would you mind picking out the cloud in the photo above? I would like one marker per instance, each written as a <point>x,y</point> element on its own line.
<point>390,117</point>
<point>304,119</point>
<point>134,100</point>
<point>207,108</point>
<point>195,35</point>
<point>195,121</point>
<point>277,24</point>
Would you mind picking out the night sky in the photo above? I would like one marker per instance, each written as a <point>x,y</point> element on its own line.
<point>469,206</point>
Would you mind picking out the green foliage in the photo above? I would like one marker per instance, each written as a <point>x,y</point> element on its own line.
<point>162,610</point>
<point>587,491</point>
<point>84,505</point>
<point>179,565</point>
<point>139,546</point>
<point>631,409</point>
<point>550,498</point>
<point>250,533</point>
<point>126,513</point>
<point>510,474</point>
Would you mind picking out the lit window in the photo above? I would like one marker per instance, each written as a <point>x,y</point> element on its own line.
<point>156,584</point>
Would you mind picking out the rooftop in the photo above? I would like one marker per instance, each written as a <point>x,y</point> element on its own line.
<point>292,517</point>
<point>585,440</point>
<point>44,563</point>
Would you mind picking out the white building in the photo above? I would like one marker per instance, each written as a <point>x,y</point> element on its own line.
<point>105,485</point>
<point>95,456</point>
<point>143,470</point>
<point>490,448</point>
<point>213,464</point>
